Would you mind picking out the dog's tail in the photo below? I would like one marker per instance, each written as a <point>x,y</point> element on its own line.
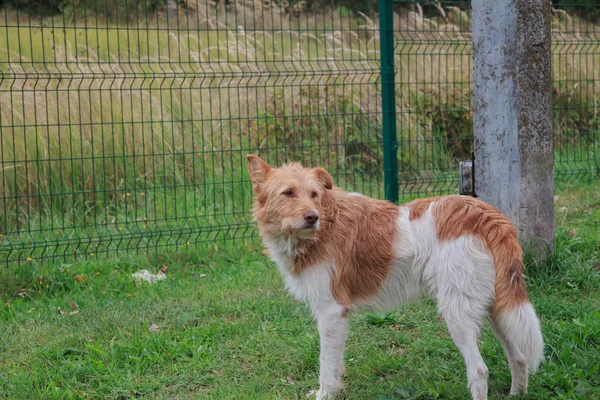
<point>520,328</point>
<point>512,311</point>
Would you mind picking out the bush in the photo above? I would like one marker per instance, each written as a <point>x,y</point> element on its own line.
<point>127,10</point>
<point>335,133</point>
<point>588,10</point>
<point>131,10</point>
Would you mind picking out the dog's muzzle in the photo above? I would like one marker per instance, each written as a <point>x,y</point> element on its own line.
<point>311,219</point>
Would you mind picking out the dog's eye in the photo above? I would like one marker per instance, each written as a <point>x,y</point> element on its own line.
<point>313,195</point>
<point>288,193</point>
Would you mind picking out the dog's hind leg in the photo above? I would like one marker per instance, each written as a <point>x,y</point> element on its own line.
<point>464,329</point>
<point>462,280</point>
<point>516,361</point>
<point>333,328</point>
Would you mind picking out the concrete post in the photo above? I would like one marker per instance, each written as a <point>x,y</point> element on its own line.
<point>512,95</point>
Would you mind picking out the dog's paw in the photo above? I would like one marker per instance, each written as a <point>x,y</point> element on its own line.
<point>317,395</point>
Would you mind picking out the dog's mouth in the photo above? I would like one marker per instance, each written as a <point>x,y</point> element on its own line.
<point>304,229</point>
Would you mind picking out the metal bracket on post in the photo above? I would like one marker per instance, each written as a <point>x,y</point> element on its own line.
<point>466,178</point>
<point>466,185</point>
<point>388,100</point>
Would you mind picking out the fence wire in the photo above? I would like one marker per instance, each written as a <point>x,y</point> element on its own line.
<point>433,90</point>
<point>124,125</point>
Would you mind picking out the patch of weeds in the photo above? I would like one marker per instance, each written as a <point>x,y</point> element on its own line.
<point>380,319</point>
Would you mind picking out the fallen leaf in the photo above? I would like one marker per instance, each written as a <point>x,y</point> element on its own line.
<point>395,327</point>
<point>153,328</point>
<point>290,380</point>
<point>403,393</point>
<point>74,312</point>
<point>116,272</point>
<point>61,312</point>
<point>401,351</point>
<point>74,306</point>
<point>79,278</point>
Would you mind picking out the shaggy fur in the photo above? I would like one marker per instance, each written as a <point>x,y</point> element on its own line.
<point>342,252</point>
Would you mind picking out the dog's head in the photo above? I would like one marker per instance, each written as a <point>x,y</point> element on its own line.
<point>289,200</point>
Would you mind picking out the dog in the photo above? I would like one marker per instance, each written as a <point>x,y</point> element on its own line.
<point>345,252</point>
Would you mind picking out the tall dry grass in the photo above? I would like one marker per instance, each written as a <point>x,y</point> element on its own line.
<point>89,115</point>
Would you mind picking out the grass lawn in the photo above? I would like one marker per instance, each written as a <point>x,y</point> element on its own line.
<point>221,326</point>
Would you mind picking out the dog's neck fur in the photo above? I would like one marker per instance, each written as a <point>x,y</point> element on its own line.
<point>357,236</point>
<point>285,245</point>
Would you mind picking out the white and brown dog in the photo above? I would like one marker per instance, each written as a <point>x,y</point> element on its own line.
<point>342,252</point>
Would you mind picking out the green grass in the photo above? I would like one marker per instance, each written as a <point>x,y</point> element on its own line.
<point>119,139</point>
<point>228,330</point>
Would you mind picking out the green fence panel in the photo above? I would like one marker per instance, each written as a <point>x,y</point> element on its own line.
<point>124,125</point>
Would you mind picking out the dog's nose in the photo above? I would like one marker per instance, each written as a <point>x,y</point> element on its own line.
<point>311,217</point>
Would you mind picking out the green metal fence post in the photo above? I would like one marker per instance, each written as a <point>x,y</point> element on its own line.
<point>388,100</point>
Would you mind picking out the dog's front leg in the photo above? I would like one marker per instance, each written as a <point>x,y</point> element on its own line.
<point>333,327</point>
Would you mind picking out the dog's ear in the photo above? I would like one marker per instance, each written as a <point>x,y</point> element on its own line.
<point>258,170</point>
<point>324,178</point>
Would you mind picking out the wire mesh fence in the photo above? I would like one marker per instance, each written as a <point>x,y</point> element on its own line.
<point>576,89</point>
<point>125,125</point>
<point>434,86</point>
